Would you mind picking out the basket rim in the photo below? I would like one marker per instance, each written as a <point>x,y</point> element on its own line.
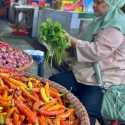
<point>26,66</point>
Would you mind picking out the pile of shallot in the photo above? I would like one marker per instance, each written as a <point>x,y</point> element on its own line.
<point>11,57</point>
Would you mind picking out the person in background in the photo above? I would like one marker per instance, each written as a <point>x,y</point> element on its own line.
<point>103,43</point>
<point>49,2</point>
<point>7,5</point>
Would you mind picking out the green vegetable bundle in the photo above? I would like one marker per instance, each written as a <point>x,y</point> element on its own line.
<point>53,36</point>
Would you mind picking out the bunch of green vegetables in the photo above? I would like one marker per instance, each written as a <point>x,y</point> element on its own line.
<point>53,36</point>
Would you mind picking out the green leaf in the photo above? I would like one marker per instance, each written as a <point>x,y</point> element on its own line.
<point>54,36</point>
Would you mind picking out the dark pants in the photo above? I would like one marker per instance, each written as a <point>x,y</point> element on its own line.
<point>90,96</point>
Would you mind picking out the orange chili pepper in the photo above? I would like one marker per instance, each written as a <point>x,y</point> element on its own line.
<point>37,105</point>
<point>36,90</point>
<point>5,75</point>
<point>49,121</point>
<point>57,121</point>
<point>1,82</point>
<point>10,112</point>
<point>55,107</point>
<point>5,94</point>
<point>54,94</point>
<point>48,105</point>
<point>24,90</point>
<point>29,95</point>
<point>42,120</point>
<point>3,113</point>
<point>52,113</point>
<point>66,114</point>
<point>26,111</point>
<point>21,78</point>
<point>76,122</point>
<point>10,84</point>
<point>4,102</point>
<point>17,82</point>
<point>53,89</point>
<point>6,70</point>
<point>2,88</point>
<point>16,119</point>
<point>60,101</point>
<point>21,98</point>
<point>9,121</point>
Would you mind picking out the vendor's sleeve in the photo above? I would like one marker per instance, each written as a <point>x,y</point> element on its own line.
<point>106,42</point>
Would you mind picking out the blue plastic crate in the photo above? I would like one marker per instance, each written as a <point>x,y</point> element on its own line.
<point>37,56</point>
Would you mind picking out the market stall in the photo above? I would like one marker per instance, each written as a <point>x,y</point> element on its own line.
<point>30,98</point>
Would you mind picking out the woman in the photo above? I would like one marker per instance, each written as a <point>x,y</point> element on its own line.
<point>104,43</point>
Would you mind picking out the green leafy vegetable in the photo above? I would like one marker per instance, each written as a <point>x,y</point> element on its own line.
<point>53,36</point>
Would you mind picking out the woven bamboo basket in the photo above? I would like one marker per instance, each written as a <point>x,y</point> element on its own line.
<point>80,109</point>
<point>26,66</point>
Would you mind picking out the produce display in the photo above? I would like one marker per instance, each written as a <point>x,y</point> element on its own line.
<point>53,36</point>
<point>73,5</point>
<point>11,57</point>
<point>26,100</point>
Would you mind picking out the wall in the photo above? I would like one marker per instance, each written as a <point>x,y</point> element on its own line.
<point>70,21</point>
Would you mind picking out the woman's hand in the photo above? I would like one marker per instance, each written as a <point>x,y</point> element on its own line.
<point>72,40</point>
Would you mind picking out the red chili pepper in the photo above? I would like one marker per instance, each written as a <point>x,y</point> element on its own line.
<point>26,111</point>
<point>35,95</point>
<point>22,117</point>
<point>62,122</point>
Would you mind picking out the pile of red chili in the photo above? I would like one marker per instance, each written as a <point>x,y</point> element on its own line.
<point>26,100</point>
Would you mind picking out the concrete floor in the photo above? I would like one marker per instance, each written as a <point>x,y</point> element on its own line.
<point>23,42</point>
